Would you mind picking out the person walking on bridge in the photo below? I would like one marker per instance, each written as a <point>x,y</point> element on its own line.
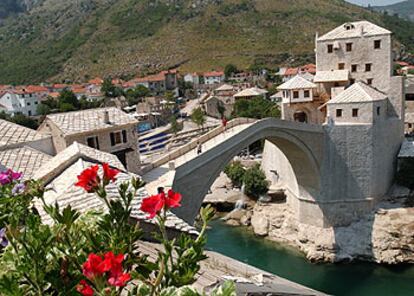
<point>199,148</point>
<point>224,122</point>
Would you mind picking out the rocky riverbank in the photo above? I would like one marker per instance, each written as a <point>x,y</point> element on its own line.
<point>384,236</point>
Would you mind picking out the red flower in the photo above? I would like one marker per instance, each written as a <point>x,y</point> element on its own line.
<point>108,173</point>
<point>89,179</point>
<point>153,205</point>
<point>94,266</point>
<point>84,288</point>
<point>118,279</point>
<point>173,199</point>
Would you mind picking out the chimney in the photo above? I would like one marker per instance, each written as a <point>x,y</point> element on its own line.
<point>106,117</point>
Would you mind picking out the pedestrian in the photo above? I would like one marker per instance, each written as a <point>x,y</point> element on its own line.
<point>198,148</point>
<point>224,122</point>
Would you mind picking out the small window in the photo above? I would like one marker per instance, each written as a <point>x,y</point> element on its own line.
<point>349,47</point>
<point>378,111</point>
<point>368,67</point>
<point>330,48</point>
<point>306,93</point>
<point>29,113</point>
<point>118,138</point>
<point>369,81</point>
<point>93,142</point>
<point>341,66</point>
<point>295,94</point>
<point>28,103</point>
<point>36,102</point>
<point>338,112</point>
<point>377,44</point>
<point>354,68</point>
<point>355,112</point>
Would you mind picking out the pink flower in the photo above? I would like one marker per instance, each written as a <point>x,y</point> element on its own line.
<point>9,176</point>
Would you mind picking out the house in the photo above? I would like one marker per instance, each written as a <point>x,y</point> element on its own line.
<point>213,77</point>
<point>300,92</point>
<point>193,78</point>
<point>221,101</point>
<point>23,101</point>
<point>250,93</point>
<point>106,129</point>
<point>157,83</point>
<point>307,71</point>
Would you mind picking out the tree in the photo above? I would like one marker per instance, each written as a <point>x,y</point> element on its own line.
<point>255,181</point>
<point>66,99</point>
<point>24,120</point>
<point>175,126</point>
<point>235,171</point>
<point>43,109</point>
<point>255,108</point>
<point>198,117</point>
<point>229,70</point>
<point>134,96</point>
<point>221,109</point>
<point>110,90</point>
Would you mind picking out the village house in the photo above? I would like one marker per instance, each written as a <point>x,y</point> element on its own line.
<point>306,71</point>
<point>250,93</point>
<point>157,83</point>
<point>193,78</point>
<point>24,101</point>
<point>222,98</point>
<point>106,129</point>
<point>213,77</point>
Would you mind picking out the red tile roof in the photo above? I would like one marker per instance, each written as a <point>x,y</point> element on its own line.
<point>402,64</point>
<point>96,81</point>
<point>213,74</point>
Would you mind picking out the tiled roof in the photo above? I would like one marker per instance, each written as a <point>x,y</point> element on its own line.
<point>75,151</point>
<point>291,71</point>
<point>89,120</point>
<point>11,133</point>
<point>63,191</point>
<point>358,93</point>
<point>250,92</point>
<point>354,29</point>
<point>213,74</point>
<point>96,81</point>
<point>225,87</point>
<point>297,82</point>
<point>23,159</point>
<point>331,76</point>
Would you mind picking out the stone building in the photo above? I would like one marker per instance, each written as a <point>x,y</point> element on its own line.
<point>106,129</point>
<point>361,107</point>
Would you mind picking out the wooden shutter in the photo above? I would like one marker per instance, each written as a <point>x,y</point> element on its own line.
<point>124,136</point>
<point>112,139</point>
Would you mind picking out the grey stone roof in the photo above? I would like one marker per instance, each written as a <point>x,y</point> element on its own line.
<point>358,93</point>
<point>72,153</point>
<point>23,159</point>
<point>11,134</point>
<point>90,120</point>
<point>297,82</point>
<point>356,29</point>
<point>331,76</point>
<point>63,191</point>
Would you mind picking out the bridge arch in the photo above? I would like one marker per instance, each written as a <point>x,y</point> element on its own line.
<point>301,145</point>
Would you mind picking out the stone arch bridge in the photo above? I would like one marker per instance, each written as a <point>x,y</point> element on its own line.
<point>324,168</point>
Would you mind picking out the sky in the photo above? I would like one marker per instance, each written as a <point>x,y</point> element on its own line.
<point>374,2</point>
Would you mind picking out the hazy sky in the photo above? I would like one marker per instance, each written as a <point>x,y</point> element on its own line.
<point>374,2</point>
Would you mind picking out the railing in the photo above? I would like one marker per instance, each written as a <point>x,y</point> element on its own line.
<point>193,144</point>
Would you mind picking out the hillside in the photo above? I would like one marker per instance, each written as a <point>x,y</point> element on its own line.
<point>404,9</point>
<point>75,40</point>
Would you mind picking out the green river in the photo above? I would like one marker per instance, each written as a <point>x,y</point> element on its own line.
<point>336,279</point>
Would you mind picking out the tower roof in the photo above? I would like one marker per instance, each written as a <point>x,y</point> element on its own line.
<point>358,93</point>
<point>354,30</point>
<point>297,82</point>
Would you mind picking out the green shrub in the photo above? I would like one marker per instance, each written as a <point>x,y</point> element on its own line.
<point>235,171</point>
<point>255,182</point>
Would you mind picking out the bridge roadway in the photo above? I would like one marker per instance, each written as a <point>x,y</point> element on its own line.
<point>192,174</point>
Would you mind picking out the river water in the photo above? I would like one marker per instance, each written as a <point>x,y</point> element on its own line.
<point>337,279</point>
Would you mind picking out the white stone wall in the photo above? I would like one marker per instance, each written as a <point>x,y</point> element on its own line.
<point>362,53</point>
<point>367,112</point>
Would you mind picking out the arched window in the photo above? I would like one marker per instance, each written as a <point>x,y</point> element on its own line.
<point>300,116</point>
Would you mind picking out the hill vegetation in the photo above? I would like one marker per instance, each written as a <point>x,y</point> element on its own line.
<point>77,40</point>
<point>404,9</point>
